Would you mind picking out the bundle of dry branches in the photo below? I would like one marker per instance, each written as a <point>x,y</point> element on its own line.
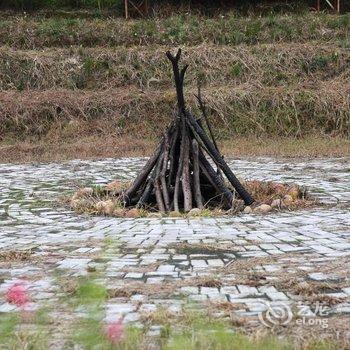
<point>179,176</point>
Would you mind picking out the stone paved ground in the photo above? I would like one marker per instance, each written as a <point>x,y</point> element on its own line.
<point>144,255</point>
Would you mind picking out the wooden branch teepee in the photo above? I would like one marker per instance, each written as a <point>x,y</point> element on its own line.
<point>179,176</point>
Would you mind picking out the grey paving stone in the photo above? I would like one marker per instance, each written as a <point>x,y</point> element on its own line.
<point>190,290</point>
<point>131,317</point>
<point>346,290</point>
<point>65,240</point>
<point>6,307</point>
<point>147,308</point>
<point>155,280</point>
<point>229,290</point>
<point>166,268</point>
<point>134,275</point>
<point>218,297</point>
<point>247,289</point>
<point>320,276</point>
<point>179,257</point>
<point>199,263</point>
<point>74,263</point>
<point>209,290</point>
<point>276,296</point>
<point>155,331</point>
<point>199,297</point>
<point>215,262</point>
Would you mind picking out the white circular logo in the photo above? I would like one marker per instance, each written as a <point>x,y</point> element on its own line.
<point>276,314</point>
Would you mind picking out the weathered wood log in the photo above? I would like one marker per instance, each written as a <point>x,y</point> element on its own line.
<point>186,182</point>
<point>207,122</point>
<point>146,193</point>
<point>179,79</point>
<point>204,114</point>
<point>164,168</point>
<point>215,155</point>
<point>141,178</point>
<point>215,179</point>
<point>196,177</point>
<point>178,177</point>
<point>172,156</point>
<point>150,182</point>
<point>159,197</point>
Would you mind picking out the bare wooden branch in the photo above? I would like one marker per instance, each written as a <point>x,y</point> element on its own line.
<point>196,177</point>
<point>172,156</point>
<point>142,177</point>
<point>159,197</point>
<point>215,179</point>
<point>150,182</point>
<point>179,79</point>
<point>165,191</point>
<point>178,178</point>
<point>204,113</point>
<point>146,193</point>
<point>215,155</point>
<point>186,182</point>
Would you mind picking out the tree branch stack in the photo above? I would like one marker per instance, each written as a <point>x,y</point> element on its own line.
<point>179,176</point>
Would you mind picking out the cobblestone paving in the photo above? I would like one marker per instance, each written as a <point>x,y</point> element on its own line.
<point>141,252</point>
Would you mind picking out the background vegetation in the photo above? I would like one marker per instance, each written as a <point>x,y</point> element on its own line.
<point>35,4</point>
<point>207,6</point>
<point>74,74</point>
<point>190,329</point>
<point>204,6</point>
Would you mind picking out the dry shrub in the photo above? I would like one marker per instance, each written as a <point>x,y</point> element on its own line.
<point>267,191</point>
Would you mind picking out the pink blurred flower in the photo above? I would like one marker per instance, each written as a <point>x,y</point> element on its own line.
<point>115,332</point>
<point>17,294</point>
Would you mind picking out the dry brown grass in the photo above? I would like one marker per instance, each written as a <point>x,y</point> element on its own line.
<point>291,277</point>
<point>281,64</point>
<point>331,333</point>
<point>103,146</point>
<point>306,336</point>
<point>264,78</point>
<point>161,290</point>
<point>206,281</point>
<point>311,146</point>
<point>286,81</point>
<point>85,147</point>
<point>106,200</point>
<point>15,255</point>
<point>245,109</point>
<point>203,248</point>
